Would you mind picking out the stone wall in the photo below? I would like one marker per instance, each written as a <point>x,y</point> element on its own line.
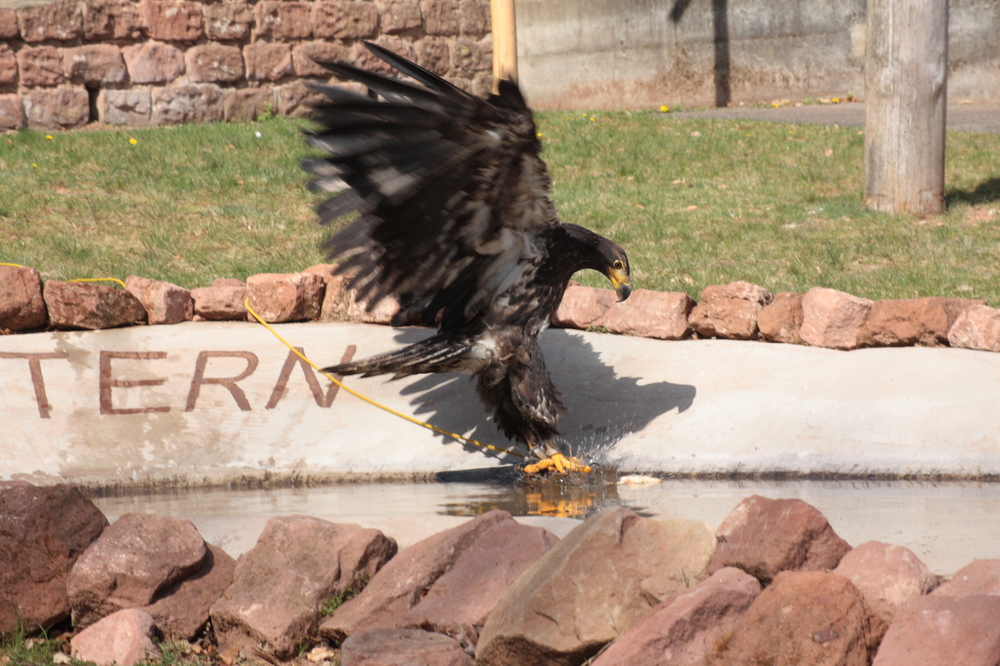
<point>153,62</point>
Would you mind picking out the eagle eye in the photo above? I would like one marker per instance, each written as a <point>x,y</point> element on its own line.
<point>618,264</point>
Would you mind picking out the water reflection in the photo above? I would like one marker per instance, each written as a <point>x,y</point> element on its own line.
<point>567,498</point>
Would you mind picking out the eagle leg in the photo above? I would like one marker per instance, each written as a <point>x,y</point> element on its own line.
<point>553,459</point>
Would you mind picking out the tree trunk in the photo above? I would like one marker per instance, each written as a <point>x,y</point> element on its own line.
<point>906,74</point>
<point>504,41</point>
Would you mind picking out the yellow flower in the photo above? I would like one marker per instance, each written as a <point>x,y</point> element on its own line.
<point>132,141</point>
<point>49,137</point>
<point>664,108</point>
<point>35,165</point>
<point>539,135</point>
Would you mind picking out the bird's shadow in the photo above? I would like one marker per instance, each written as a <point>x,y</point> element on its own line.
<point>603,406</point>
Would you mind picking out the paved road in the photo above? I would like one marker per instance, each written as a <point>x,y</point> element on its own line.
<point>965,117</point>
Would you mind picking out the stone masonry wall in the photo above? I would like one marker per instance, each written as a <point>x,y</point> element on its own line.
<point>155,62</point>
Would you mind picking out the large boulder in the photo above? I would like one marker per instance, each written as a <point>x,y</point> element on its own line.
<point>765,536</point>
<point>938,629</point>
<point>442,583</point>
<point>43,531</point>
<point>887,576</point>
<point>688,626</point>
<point>181,610</point>
<point>280,585</point>
<point>592,586</point>
<point>977,578</point>
<point>134,559</point>
<point>803,617</point>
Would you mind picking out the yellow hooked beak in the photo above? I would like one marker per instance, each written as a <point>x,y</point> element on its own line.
<point>621,281</point>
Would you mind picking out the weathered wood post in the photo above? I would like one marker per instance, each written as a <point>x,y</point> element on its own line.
<point>504,41</point>
<point>906,73</point>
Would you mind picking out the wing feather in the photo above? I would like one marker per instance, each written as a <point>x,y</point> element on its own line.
<point>451,191</point>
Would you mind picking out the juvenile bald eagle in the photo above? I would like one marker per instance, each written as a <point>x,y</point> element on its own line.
<point>455,220</point>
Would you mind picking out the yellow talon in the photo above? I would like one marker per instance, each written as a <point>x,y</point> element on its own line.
<point>560,463</point>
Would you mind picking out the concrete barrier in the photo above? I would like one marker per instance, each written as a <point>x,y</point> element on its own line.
<point>606,54</point>
<point>225,403</point>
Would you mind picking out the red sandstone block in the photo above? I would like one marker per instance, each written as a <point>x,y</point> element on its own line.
<point>187,104</point>
<point>21,304</point>
<point>977,327</point>
<point>111,19</point>
<point>8,24</point>
<point>153,62</point>
<point>267,61</point>
<point>58,21</point>
<point>474,17</point>
<point>247,104</point>
<point>441,17</point>
<point>11,112</point>
<point>227,21</point>
<point>172,20</point>
<point>281,297</point>
<point>214,63</point>
<point>583,307</point>
<point>8,64</point>
<point>433,54</point>
<point>305,57</point>
<point>469,56</point>
<point>282,20</point>
<point>124,107</point>
<point>399,15</point>
<point>40,66</point>
<point>781,320</point>
<point>651,314</point>
<point>57,109</point>
<point>365,59</point>
<point>344,19</point>
<point>295,99</point>
<point>834,319</point>
<point>94,63</point>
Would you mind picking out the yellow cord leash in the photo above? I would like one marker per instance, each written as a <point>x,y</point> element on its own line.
<point>460,438</point>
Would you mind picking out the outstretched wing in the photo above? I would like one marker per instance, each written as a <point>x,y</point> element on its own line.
<point>450,188</point>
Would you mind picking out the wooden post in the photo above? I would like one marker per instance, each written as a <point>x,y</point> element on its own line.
<point>906,73</point>
<point>504,41</point>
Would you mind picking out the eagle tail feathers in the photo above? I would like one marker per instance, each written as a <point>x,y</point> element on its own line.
<point>436,354</point>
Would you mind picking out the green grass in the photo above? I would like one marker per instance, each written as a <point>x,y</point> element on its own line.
<point>694,203</point>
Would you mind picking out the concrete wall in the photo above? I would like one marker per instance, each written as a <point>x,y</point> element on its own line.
<point>642,53</point>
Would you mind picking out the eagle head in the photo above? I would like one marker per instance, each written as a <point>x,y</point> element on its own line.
<point>617,270</point>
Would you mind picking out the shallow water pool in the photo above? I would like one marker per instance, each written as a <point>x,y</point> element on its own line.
<point>946,524</point>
